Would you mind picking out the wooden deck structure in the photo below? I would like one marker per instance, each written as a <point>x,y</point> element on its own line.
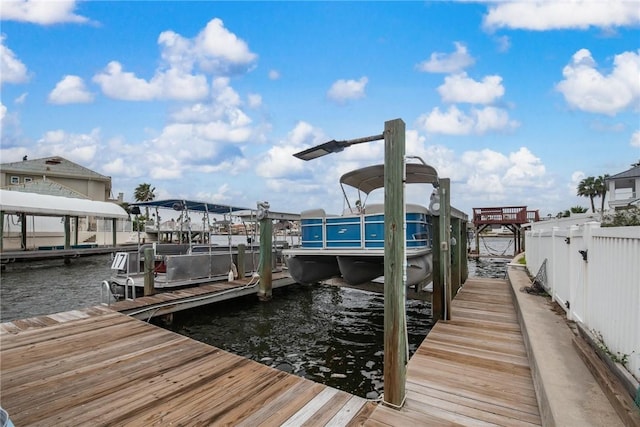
<point>471,370</point>
<point>99,367</point>
<point>511,217</point>
<point>167,302</point>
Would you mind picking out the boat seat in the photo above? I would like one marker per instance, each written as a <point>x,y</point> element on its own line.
<point>377,208</point>
<point>313,213</point>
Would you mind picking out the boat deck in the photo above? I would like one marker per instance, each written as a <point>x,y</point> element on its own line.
<point>471,370</point>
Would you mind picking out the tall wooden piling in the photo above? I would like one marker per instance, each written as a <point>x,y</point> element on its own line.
<point>114,232</point>
<point>456,255</point>
<point>241,260</point>
<point>67,232</point>
<point>265,288</point>
<point>437,296</point>
<point>149,266</point>
<point>395,347</point>
<point>445,244</point>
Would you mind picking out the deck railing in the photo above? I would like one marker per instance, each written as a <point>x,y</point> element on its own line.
<point>594,274</point>
<point>504,215</point>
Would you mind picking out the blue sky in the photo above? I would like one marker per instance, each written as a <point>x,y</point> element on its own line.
<point>515,102</point>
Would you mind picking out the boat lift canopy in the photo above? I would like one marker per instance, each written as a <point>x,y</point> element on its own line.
<point>12,202</point>
<point>372,177</point>
<point>190,205</point>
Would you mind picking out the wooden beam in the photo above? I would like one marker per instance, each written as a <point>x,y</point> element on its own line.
<point>149,266</point>
<point>67,232</point>
<point>395,352</point>
<point>265,287</point>
<point>445,243</point>
<point>437,299</point>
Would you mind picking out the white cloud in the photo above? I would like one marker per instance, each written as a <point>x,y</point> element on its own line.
<point>457,122</point>
<point>274,74</point>
<point>79,148</point>
<point>525,168</point>
<point>447,63</point>
<point>550,15</point>
<point>461,88</point>
<point>217,48</point>
<point>41,11</point>
<point>279,161</point>
<point>12,70</point>
<point>344,90</point>
<point>635,139</point>
<point>3,111</point>
<point>214,50</point>
<point>585,88</point>
<point>504,43</point>
<point>171,84</point>
<point>70,90</point>
<point>21,99</point>
<point>254,100</point>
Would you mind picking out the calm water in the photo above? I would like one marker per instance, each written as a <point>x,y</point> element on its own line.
<point>327,334</point>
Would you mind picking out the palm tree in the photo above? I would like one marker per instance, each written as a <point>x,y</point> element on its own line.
<point>601,189</point>
<point>587,188</point>
<point>144,193</point>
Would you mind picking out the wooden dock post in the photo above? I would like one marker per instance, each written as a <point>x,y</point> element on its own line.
<point>437,295</point>
<point>149,265</point>
<point>265,267</point>
<point>456,255</point>
<point>395,350</point>
<point>114,232</point>
<point>67,232</point>
<point>241,257</point>
<point>444,232</point>
<point>2,231</point>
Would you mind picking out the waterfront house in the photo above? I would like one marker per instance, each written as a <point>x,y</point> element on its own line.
<point>63,180</point>
<point>623,188</point>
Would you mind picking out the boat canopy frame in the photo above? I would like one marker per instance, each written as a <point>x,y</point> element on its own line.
<point>371,178</point>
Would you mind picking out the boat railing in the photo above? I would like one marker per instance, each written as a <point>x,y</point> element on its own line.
<point>105,290</point>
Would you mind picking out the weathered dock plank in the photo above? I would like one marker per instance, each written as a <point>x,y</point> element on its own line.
<point>98,367</point>
<point>472,370</point>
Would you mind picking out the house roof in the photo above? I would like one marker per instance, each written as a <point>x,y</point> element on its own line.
<point>52,166</point>
<point>634,172</point>
<point>48,187</point>
<point>47,205</point>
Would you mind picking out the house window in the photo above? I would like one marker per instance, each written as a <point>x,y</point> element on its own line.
<point>27,179</point>
<point>15,180</point>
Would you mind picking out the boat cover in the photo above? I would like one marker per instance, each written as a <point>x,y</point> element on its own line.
<point>372,177</point>
<point>191,205</point>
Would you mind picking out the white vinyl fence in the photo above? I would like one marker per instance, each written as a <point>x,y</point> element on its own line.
<point>594,273</point>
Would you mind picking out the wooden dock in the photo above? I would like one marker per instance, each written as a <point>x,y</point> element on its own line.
<point>471,370</point>
<point>100,367</point>
<point>97,367</point>
<point>167,302</point>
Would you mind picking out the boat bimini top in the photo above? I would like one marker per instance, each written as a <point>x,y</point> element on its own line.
<point>371,178</point>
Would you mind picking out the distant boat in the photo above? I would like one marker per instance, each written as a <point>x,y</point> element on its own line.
<point>351,245</point>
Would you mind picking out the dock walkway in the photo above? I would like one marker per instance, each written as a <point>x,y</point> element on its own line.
<point>471,370</point>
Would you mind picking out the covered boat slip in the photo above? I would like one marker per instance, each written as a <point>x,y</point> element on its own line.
<point>32,204</point>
